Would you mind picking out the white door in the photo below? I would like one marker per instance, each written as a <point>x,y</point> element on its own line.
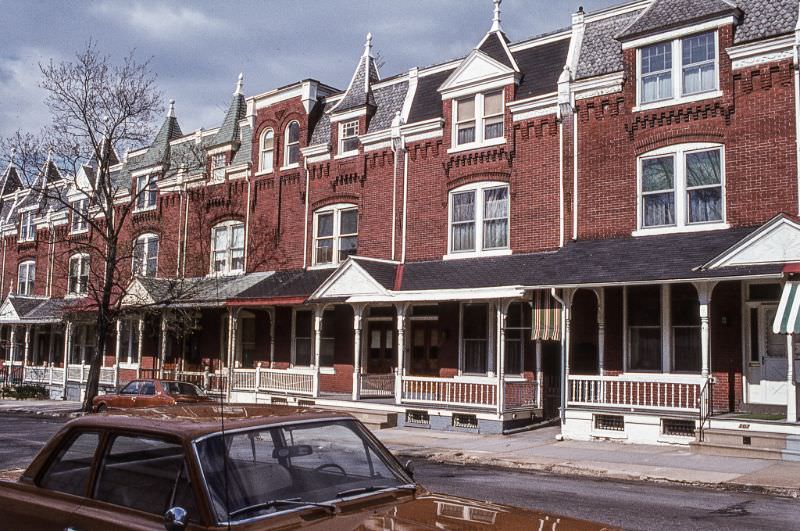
<point>767,383</point>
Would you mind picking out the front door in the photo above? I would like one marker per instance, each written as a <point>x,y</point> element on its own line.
<point>769,368</point>
<point>380,347</point>
<point>425,348</point>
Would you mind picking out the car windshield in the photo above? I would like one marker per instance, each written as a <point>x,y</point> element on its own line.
<point>182,388</point>
<point>271,469</point>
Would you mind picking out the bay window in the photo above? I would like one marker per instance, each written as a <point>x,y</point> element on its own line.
<point>267,151</point>
<point>146,192</point>
<point>26,277</point>
<point>348,137</point>
<point>681,186</point>
<point>145,255</point>
<point>291,154</point>
<point>78,281</point>
<point>479,218</point>
<point>335,234</point>
<point>478,119</point>
<point>662,77</point>
<point>27,230</point>
<point>79,212</point>
<point>227,253</point>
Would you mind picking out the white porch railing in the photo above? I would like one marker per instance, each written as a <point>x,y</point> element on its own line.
<point>80,374</point>
<point>76,373</point>
<point>197,378</point>
<point>290,381</point>
<point>449,392</point>
<point>662,392</point>
<point>377,385</point>
<point>39,374</point>
<point>244,379</point>
<point>107,375</point>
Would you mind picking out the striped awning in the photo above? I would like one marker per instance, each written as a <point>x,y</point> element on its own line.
<point>546,322</point>
<point>786,318</point>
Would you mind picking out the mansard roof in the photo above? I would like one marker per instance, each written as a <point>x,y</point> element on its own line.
<point>244,154</point>
<point>600,52</point>
<point>158,151</point>
<point>10,181</point>
<point>541,65</point>
<point>495,45</point>
<point>359,92</point>
<point>388,101</point>
<point>765,18</point>
<point>229,130</point>
<point>427,102</point>
<point>666,14</point>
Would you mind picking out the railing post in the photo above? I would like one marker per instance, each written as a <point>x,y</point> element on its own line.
<point>358,310</point>
<point>118,349</point>
<point>233,328</point>
<point>258,376</point>
<point>12,338</point>
<point>400,369</point>
<point>704,291</point>
<point>206,379</point>
<point>139,347</point>
<point>502,312</point>
<point>67,349</point>
<point>601,331</point>
<point>318,315</point>
<point>791,389</point>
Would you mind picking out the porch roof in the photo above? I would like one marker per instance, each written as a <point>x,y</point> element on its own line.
<point>282,287</point>
<point>201,291</point>
<point>17,309</point>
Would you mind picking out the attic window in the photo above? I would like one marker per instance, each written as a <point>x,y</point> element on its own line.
<point>218,167</point>
<point>146,192</point>
<point>27,232</point>
<point>348,137</point>
<point>478,119</point>
<point>79,211</point>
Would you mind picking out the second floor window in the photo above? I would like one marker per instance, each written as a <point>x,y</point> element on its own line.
<point>145,255</point>
<point>26,278</point>
<point>680,68</point>
<point>291,154</point>
<point>681,186</point>
<point>479,218</point>
<point>218,167</point>
<point>146,192</point>
<point>78,283</point>
<point>335,234</point>
<point>227,240</point>
<point>27,231</point>
<point>79,212</point>
<point>348,137</point>
<point>267,151</point>
<point>478,118</point>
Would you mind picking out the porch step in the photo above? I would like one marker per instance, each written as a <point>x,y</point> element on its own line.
<point>768,409</point>
<point>748,443</point>
<point>372,419</point>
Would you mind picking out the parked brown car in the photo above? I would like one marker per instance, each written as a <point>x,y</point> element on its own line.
<point>244,467</point>
<point>150,393</point>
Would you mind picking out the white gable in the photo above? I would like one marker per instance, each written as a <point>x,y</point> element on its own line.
<point>7,312</point>
<point>350,280</point>
<point>477,68</point>
<point>776,242</point>
<point>136,295</point>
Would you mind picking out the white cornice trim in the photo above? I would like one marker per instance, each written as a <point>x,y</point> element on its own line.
<point>533,107</point>
<point>348,115</point>
<point>377,136</point>
<point>524,45</point>
<point>316,149</point>
<point>679,32</point>
<point>598,86</point>
<point>760,52</point>
<point>618,10</point>
<point>267,99</point>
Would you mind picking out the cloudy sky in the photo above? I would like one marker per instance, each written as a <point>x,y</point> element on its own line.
<point>198,48</point>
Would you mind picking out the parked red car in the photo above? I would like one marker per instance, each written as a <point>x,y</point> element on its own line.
<point>150,393</point>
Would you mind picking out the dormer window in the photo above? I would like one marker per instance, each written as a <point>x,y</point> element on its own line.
<point>266,151</point>
<point>146,192</point>
<point>348,137</point>
<point>478,119</point>
<point>79,212</point>
<point>218,167</point>
<point>27,231</point>
<point>678,70</point>
<point>291,156</point>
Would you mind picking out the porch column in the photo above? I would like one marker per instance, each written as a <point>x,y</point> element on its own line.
<point>140,336</point>
<point>502,313</point>
<point>67,348</point>
<point>12,338</point>
<point>233,338</point>
<point>492,368</point>
<point>704,291</point>
<point>791,388</point>
<point>27,352</point>
<point>117,351</point>
<point>163,354</point>
<point>358,312</point>
<point>271,313</point>
<point>319,311</point>
<point>539,374</point>
<point>400,369</point>
<point>566,304</point>
<point>601,330</point>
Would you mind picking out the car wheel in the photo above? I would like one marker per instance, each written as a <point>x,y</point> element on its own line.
<point>101,408</point>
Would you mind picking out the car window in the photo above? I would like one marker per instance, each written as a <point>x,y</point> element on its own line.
<point>70,470</point>
<point>145,473</point>
<point>131,389</point>
<point>181,388</point>
<point>147,388</point>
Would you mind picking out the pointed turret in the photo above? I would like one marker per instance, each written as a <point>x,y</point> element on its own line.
<point>359,92</point>
<point>229,130</point>
<point>10,181</point>
<point>495,43</point>
<point>170,130</point>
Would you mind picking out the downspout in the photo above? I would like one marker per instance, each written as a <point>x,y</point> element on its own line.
<point>305,218</point>
<point>564,353</point>
<point>180,235</point>
<point>574,176</point>
<point>405,202</point>
<point>51,258</point>
<point>396,122</point>
<point>247,221</point>
<point>186,230</point>
<point>563,111</point>
<point>796,53</point>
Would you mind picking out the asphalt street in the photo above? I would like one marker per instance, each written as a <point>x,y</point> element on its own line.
<point>645,506</point>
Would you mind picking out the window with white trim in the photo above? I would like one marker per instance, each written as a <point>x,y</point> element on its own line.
<point>129,341</point>
<point>662,78</point>
<point>146,192</point>
<point>479,218</point>
<point>291,151</point>
<point>79,211</point>
<point>335,233</point>
<point>348,137</point>
<point>78,281</point>
<point>478,119</point>
<point>266,151</point>
<point>26,277</point>
<point>27,230</point>
<point>218,167</point>
<point>227,247</point>
<point>682,186</point>
<point>145,255</point>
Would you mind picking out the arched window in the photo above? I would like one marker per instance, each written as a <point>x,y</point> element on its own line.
<point>78,282</point>
<point>227,248</point>
<point>26,277</point>
<point>479,219</point>
<point>335,233</point>
<point>291,154</point>
<point>266,151</point>
<point>145,255</point>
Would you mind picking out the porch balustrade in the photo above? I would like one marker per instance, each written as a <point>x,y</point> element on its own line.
<point>80,373</point>
<point>377,385</point>
<point>449,392</point>
<point>667,392</point>
<point>290,381</point>
<point>197,378</point>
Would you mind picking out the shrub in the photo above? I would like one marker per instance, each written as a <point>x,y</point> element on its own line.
<point>24,391</point>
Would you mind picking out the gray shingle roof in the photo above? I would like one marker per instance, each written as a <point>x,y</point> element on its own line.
<point>10,181</point>
<point>495,49</point>
<point>665,14</point>
<point>322,130</point>
<point>427,102</point>
<point>541,66</point>
<point>159,149</point>
<point>37,309</point>
<point>600,52</point>
<point>229,130</point>
<point>765,18</point>
<point>383,272</point>
<point>212,291</point>
<point>389,100</point>
<point>359,93</point>
<point>292,283</point>
<point>245,152</point>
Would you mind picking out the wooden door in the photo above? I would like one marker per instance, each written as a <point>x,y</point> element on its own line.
<point>380,347</point>
<point>424,348</point>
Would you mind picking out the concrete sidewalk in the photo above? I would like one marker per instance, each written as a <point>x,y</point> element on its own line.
<point>46,408</point>
<point>539,450</point>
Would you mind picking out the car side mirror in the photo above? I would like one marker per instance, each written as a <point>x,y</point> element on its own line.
<point>175,519</point>
<point>409,468</point>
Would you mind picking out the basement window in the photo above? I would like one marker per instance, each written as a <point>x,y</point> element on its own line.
<point>465,421</point>
<point>678,427</point>
<point>609,422</point>
<point>416,416</point>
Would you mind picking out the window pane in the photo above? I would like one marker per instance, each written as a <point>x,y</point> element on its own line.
<point>644,322</point>
<point>325,251</point>
<point>698,49</point>
<point>686,348</point>
<point>703,168</point>
<point>645,348</point>
<point>493,104</point>
<point>657,57</point>
<point>474,328</point>
<point>514,342</point>
<point>349,222</point>
<point>705,205</point>
<point>685,305</point>
<point>347,246</point>
<point>463,237</point>
<point>644,305</point>
<point>466,133</point>
<point>495,203</point>
<point>466,110</point>
<point>495,214</point>
<point>463,206</point>
<point>294,132</point>
<point>268,140</point>
<point>475,321</point>
<point>659,209</point>
<point>658,174</point>
<point>220,238</point>
<point>238,236</point>
<point>495,234</point>
<point>325,224</point>
<point>70,471</point>
<point>493,128</point>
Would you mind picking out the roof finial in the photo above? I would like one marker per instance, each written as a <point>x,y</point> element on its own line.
<point>171,112</point>
<point>496,18</point>
<point>239,84</point>
<point>50,153</point>
<point>368,46</point>
<point>13,156</point>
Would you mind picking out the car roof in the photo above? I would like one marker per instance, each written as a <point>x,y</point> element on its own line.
<point>191,421</point>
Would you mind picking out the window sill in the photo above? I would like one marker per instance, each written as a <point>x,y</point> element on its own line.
<point>327,370</point>
<point>290,166</point>
<point>324,266</point>
<point>144,209</point>
<point>264,172</point>
<point>702,227</point>
<point>476,145</point>
<point>345,155</point>
<point>477,254</point>
<point>678,101</point>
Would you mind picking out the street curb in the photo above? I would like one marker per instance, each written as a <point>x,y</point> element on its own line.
<point>567,470</point>
<point>32,413</point>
